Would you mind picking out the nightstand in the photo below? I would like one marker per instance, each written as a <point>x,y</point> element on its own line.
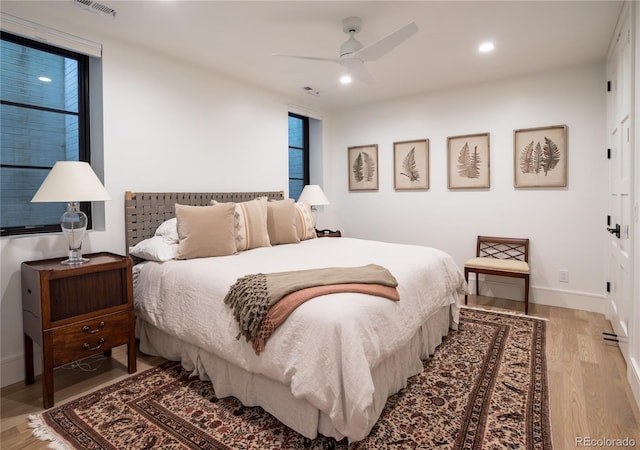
<point>328,233</point>
<point>76,311</point>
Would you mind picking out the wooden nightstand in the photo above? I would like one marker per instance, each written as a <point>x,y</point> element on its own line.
<point>328,233</point>
<point>74,312</point>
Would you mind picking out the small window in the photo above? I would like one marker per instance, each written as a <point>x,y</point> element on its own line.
<point>298,154</point>
<point>45,118</point>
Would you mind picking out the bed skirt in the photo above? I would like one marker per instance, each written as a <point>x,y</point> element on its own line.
<point>252,389</point>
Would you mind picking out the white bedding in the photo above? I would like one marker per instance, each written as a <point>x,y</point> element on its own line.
<point>326,349</point>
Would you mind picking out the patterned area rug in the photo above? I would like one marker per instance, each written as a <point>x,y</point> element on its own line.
<point>485,387</point>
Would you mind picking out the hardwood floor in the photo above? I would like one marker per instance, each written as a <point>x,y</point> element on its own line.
<point>589,395</point>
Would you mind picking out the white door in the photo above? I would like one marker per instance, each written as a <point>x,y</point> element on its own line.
<point>619,238</point>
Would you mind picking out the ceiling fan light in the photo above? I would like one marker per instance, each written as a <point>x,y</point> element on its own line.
<point>486,47</point>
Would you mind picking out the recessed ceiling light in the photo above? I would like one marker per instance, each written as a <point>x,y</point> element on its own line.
<point>345,79</point>
<point>486,47</point>
<point>45,79</point>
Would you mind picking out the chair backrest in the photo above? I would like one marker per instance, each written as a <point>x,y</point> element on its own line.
<point>503,248</point>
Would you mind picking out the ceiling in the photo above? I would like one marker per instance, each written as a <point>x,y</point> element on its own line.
<point>237,38</point>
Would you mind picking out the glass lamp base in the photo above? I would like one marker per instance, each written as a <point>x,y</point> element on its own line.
<point>74,262</point>
<point>74,225</point>
<point>75,258</point>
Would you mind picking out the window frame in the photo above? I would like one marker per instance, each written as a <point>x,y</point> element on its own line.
<point>84,121</point>
<point>304,148</point>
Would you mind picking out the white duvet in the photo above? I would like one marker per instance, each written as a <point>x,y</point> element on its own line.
<point>325,349</point>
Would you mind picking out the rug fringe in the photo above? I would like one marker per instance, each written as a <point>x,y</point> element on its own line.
<point>44,433</point>
<point>506,313</point>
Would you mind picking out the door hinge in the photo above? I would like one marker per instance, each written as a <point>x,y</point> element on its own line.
<point>608,286</point>
<point>608,153</point>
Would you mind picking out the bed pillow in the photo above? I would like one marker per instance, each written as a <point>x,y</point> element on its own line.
<point>281,222</point>
<point>304,222</point>
<point>169,231</point>
<point>250,224</point>
<point>155,248</point>
<point>205,230</point>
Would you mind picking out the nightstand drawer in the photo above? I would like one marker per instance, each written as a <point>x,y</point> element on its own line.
<point>86,338</point>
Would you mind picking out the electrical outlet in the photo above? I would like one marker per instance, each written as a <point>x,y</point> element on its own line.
<point>564,276</point>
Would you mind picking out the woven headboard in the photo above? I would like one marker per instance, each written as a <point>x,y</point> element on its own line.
<point>145,211</point>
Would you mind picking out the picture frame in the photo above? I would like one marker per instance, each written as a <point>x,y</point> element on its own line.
<point>540,157</point>
<point>468,161</point>
<point>363,167</point>
<point>411,165</point>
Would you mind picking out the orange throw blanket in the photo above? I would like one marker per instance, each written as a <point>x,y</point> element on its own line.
<point>279,312</point>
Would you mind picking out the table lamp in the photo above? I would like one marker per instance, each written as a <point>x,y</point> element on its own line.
<point>72,182</point>
<point>313,195</point>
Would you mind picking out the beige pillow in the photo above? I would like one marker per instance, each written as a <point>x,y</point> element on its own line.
<point>205,230</point>
<point>250,224</point>
<point>304,222</point>
<point>281,222</point>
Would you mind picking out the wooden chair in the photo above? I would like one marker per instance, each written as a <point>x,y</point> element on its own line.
<point>505,257</point>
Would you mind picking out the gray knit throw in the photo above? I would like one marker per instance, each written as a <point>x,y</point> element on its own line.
<point>251,296</point>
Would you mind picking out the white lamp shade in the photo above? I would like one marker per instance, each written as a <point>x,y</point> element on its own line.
<point>312,194</point>
<point>71,181</point>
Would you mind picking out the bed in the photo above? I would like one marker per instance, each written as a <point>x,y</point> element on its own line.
<point>332,364</point>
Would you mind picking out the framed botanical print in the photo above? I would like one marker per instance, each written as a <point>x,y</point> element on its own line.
<point>540,157</point>
<point>363,168</point>
<point>468,161</point>
<point>411,165</point>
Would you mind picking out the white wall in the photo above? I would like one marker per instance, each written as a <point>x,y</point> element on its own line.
<point>167,127</point>
<point>565,226</point>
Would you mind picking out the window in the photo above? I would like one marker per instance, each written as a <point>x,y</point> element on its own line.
<point>45,118</point>
<point>298,154</point>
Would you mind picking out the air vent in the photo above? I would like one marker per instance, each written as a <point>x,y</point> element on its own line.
<point>96,7</point>
<point>311,91</point>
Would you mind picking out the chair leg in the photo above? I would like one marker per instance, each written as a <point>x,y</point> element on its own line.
<point>466,278</point>
<point>526,294</point>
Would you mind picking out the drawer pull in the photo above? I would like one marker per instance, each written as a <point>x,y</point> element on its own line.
<point>86,328</point>
<point>87,346</point>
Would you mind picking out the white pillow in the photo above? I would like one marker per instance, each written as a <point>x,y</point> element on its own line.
<point>169,231</point>
<point>155,248</point>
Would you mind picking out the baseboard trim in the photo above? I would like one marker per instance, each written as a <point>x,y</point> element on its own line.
<point>12,368</point>
<point>633,377</point>
<point>585,301</point>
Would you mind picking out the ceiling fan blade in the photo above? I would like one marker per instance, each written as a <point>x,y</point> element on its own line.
<point>374,51</point>
<point>313,58</point>
<point>360,73</point>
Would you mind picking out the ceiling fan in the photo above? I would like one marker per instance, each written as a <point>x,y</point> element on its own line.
<point>353,54</point>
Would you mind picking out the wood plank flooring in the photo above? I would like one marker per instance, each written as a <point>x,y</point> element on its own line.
<point>590,397</point>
